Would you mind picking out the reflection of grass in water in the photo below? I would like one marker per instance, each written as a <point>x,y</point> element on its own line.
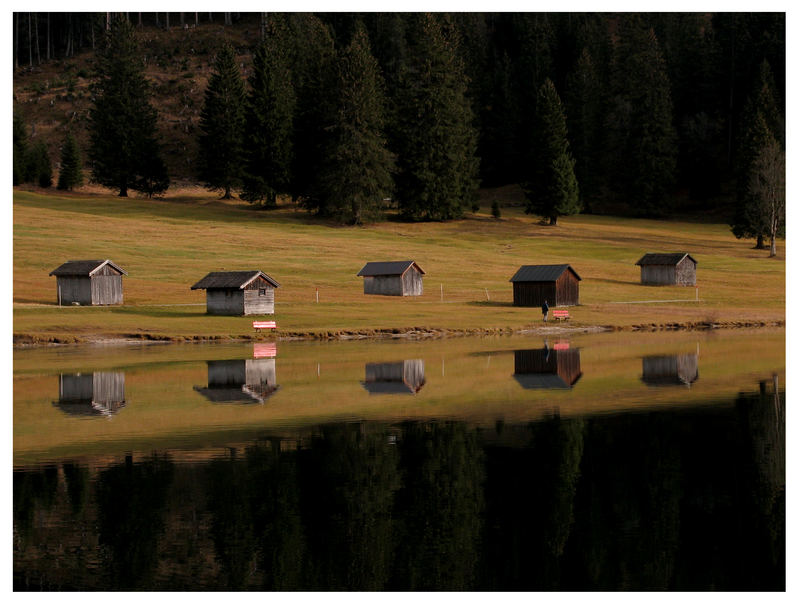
<point>166,246</point>
<point>164,411</point>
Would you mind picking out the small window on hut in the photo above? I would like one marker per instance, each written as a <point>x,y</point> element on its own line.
<point>262,292</point>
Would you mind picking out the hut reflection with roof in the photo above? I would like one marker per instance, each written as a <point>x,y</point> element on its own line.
<point>94,394</point>
<point>557,367</point>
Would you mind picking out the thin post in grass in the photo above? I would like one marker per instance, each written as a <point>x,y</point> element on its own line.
<point>441,292</point>
<point>317,289</point>
<point>487,293</point>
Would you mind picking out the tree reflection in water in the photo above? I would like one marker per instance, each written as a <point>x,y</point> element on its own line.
<point>676,500</point>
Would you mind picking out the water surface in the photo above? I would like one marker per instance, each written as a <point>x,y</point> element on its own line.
<point>610,462</point>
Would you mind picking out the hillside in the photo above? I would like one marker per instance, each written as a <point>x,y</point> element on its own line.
<point>167,245</point>
<point>55,96</point>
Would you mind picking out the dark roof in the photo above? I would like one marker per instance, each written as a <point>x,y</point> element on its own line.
<point>544,381</point>
<point>231,280</point>
<point>541,273</point>
<point>397,267</point>
<point>664,259</point>
<point>84,267</point>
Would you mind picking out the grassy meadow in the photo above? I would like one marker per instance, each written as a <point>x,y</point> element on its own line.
<point>167,245</point>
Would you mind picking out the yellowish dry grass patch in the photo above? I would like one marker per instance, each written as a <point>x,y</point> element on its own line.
<point>167,245</point>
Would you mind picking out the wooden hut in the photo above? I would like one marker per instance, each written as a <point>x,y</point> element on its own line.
<point>239,381</point>
<point>238,292</point>
<point>95,394</point>
<point>546,368</point>
<point>89,282</point>
<point>401,377</point>
<point>535,284</point>
<point>666,370</point>
<point>394,278</point>
<point>673,269</point>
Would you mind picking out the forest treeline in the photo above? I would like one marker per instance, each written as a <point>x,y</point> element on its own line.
<point>351,113</point>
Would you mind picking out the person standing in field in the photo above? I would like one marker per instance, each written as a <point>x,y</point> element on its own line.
<point>545,309</point>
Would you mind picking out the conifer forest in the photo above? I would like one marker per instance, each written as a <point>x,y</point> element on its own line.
<point>353,115</point>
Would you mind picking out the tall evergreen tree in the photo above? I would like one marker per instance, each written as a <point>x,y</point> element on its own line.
<point>40,167</point>
<point>551,188</point>
<point>762,123</point>
<point>312,71</point>
<point>71,173</point>
<point>222,125</point>
<point>122,122</point>
<point>20,150</point>
<point>269,118</point>
<point>357,173</point>
<point>434,137</point>
<point>584,108</point>
<point>643,139</point>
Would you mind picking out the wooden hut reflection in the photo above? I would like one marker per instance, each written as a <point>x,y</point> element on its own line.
<point>95,394</point>
<point>400,377</point>
<point>239,381</point>
<point>547,368</point>
<point>666,370</point>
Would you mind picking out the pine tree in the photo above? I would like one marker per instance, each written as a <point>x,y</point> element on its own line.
<point>71,173</point>
<point>434,137</point>
<point>20,150</point>
<point>357,174</point>
<point>312,70</point>
<point>222,122</point>
<point>584,108</point>
<point>551,189</point>
<point>762,122</point>
<point>40,167</point>
<point>269,119</point>
<point>643,147</point>
<point>122,122</point>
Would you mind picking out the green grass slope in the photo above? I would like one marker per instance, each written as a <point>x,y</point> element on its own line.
<point>167,245</point>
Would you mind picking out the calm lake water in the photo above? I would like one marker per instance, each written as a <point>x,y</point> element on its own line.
<point>605,462</point>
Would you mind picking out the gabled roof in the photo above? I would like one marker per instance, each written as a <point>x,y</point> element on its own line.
<point>664,259</point>
<point>541,273</point>
<point>231,280</point>
<point>84,267</point>
<point>544,381</point>
<point>388,268</point>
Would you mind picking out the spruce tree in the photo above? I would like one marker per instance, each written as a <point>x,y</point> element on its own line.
<point>269,119</point>
<point>434,137</point>
<point>122,122</point>
<point>584,108</point>
<point>551,189</point>
<point>312,70</point>
<point>222,125</point>
<point>643,147</point>
<point>357,173</point>
<point>20,150</point>
<point>40,167</point>
<point>71,173</point>
<point>762,122</point>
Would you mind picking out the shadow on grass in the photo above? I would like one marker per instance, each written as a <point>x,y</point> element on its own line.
<point>490,303</point>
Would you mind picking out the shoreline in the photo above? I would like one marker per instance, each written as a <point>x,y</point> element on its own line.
<point>26,341</point>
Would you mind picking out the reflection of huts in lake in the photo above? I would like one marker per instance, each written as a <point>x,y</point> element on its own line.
<point>535,284</point>
<point>89,282</point>
<point>95,394</point>
<point>666,370</point>
<point>546,368</point>
<point>239,381</point>
<point>678,269</point>
<point>394,278</point>
<point>400,377</point>
<point>238,292</point>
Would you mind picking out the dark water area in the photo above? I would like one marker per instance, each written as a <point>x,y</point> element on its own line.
<point>543,490</point>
